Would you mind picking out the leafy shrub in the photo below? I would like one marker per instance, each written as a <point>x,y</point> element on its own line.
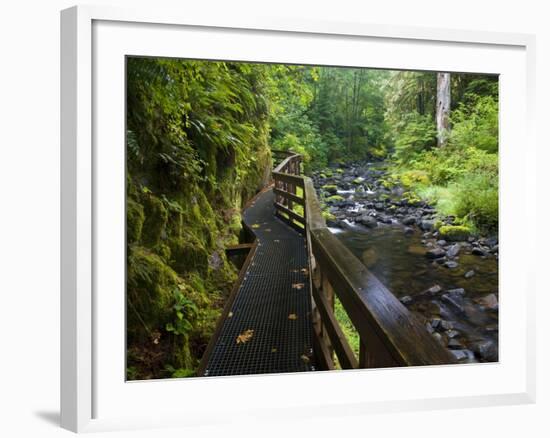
<point>477,199</point>
<point>476,126</point>
<point>415,133</point>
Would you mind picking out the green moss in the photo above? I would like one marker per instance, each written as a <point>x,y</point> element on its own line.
<point>150,290</point>
<point>358,180</point>
<point>135,217</point>
<point>156,217</point>
<point>335,198</point>
<point>454,232</point>
<point>188,254</point>
<point>330,187</point>
<point>328,216</point>
<point>340,171</point>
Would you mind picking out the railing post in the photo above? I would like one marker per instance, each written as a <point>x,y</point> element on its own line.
<point>328,291</point>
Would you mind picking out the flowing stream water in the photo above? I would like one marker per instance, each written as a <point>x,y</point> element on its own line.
<point>458,305</point>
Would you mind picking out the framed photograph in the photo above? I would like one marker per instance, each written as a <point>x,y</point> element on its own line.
<point>253,210</point>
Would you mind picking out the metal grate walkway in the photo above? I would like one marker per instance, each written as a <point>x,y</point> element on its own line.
<point>268,329</point>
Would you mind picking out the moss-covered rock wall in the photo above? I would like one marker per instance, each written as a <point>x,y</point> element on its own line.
<point>197,150</point>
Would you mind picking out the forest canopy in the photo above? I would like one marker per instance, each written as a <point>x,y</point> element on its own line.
<point>199,141</point>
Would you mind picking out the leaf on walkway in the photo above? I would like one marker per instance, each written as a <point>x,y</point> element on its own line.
<point>274,350</point>
<point>268,230</point>
<point>276,240</point>
<point>293,317</point>
<point>230,314</point>
<point>298,286</point>
<point>256,225</point>
<point>245,336</point>
<point>305,271</point>
<point>304,358</point>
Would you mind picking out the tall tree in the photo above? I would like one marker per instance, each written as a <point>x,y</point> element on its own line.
<point>443,107</point>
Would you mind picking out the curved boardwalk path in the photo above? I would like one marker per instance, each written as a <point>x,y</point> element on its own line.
<point>273,301</point>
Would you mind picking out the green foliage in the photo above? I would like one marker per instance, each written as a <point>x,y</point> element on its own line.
<point>347,326</point>
<point>185,311</point>
<point>477,200</point>
<point>476,125</point>
<point>413,134</point>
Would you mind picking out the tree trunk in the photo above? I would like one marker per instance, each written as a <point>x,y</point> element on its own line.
<point>443,107</point>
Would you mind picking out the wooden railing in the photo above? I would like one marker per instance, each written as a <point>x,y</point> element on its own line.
<point>389,334</point>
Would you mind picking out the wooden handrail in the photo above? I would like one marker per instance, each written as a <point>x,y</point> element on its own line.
<point>390,335</point>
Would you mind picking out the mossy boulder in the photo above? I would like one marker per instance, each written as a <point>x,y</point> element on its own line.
<point>330,188</point>
<point>151,283</point>
<point>335,198</point>
<point>454,233</point>
<point>188,254</point>
<point>135,217</point>
<point>156,217</point>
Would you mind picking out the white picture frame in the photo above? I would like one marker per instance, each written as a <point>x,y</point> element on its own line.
<point>93,39</point>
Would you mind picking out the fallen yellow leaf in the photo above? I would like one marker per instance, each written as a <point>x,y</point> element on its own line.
<point>304,358</point>
<point>293,317</point>
<point>255,225</point>
<point>274,350</point>
<point>298,286</point>
<point>230,314</point>
<point>245,336</point>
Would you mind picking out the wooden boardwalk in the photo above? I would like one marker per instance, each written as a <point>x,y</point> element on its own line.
<point>267,326</point>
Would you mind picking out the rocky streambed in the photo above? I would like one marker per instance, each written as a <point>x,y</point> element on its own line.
<point>447,277</point>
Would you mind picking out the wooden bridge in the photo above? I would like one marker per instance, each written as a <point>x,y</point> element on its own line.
<point>280,314</point>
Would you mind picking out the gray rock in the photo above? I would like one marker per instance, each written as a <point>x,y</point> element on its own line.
<point>452,333</point>
<point>456,292</point>
<point>408,231</point>
<point>451,264</point>
<point>435,253</point>
<point>435,289</point>
<point>469,274</point>
<point>368,221</point>
<point>441,242</point>
<point>435,322</point>
<point>454,302</point>
<point>486,350</point>
<point>455,344</point>
<point>454,250</point>
<point>478,251</point>
<point>379,206</point>
<point>463,355</point>
<point>459,354</point>
<point>489,302</point>
<point>409,220</point>
<point>427,225</point>
<point>446,325</point>
<point>406,299</point>
<point>429,328</point>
